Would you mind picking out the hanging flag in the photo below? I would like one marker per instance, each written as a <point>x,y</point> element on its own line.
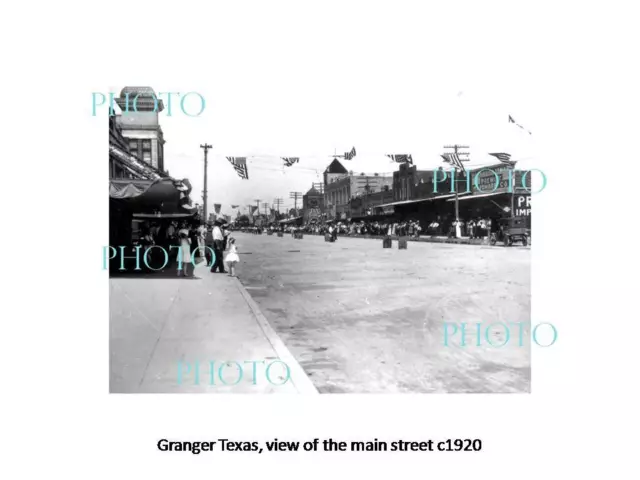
<point>511,120</point>
<point>288,161</point>
<point>235,206</point>
<point>504,158</point>
<point>240,164</point>
<point>403,158</point>
<point>351,154</point>
<point>217,207</point>
<point>454,160</point>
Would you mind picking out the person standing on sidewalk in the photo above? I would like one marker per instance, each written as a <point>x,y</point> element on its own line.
<point>202,233</point>
<point>218,248</point>
<point>184,253</point>
<point>232,258</point>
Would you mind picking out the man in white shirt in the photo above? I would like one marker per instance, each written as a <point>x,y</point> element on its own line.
<point>218,248</point>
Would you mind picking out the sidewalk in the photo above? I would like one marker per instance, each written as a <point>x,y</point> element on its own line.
<point>164,333</point>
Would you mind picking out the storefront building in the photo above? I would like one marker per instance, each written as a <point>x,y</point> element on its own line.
<point>485,193</point>
<point>410,183</point>
<point>312,205</point>
<point>339,192</point>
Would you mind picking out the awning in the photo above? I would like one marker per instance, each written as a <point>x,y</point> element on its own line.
<point>290,220</point>
<point>481,195</point>
<point>164,195</point>
<point>406,202</point>
<point>134,164</point>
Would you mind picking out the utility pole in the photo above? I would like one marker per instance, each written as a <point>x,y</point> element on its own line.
<point>257,200</point>
<point>295,196</point>
<point>455,183</point>
<point>278,202</point>
<point>206,148</point>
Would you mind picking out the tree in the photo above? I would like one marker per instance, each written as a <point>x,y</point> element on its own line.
<point>243,220</point>
<point>292,212</point>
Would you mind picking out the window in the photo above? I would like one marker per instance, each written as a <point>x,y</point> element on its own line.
<point>133,145</point>
<point>146,156</point>
<point>146,145</point>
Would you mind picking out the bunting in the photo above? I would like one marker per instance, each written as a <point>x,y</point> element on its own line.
<point>511,120</point>
<point>350,155</point>
<point>288,161</point>
<point>504,158</point>
<point>240,165</point>
<point>402,158</point>
<point>217,207</point>
<point>454,160</point>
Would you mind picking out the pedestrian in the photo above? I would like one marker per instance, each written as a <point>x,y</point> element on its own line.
<point>202,234</point>
<point>218,248</point>
<point>184,253</point>
<point>471,226</point>
<point>232,258</point>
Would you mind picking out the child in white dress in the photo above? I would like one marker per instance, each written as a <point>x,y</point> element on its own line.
<point>232,256</point>
<point>185,252</point>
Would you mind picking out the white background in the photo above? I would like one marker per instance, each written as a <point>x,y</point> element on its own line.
<point>569,66</point>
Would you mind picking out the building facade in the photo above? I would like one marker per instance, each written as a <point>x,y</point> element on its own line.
<point>140,125</point>
<point>118,166</point>
<point>365,205</point>
<point>410,183</point>
<point>341,191</point>
<point>312,205</point>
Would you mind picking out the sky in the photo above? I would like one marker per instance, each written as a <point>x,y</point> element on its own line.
<point>326,83</point>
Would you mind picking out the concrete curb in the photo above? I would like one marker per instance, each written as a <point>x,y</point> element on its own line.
<point>299,378</point>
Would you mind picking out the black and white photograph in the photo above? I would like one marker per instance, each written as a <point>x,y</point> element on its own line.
<point>319,266</point>
<point>316,258</point>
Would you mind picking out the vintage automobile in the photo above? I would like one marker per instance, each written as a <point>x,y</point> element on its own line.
<point>512,229</point>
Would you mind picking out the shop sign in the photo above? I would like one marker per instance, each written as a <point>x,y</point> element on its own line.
<point>495,179</point>
<point>522,204</point>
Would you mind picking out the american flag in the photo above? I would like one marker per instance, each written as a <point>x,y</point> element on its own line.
<point>351,154</point>
<point>402,158</point>
<point>453,159</point>
<point>288,161</point>
<point>240,164</point>
<point>504,158</point>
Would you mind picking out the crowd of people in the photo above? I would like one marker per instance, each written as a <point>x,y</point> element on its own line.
<point>192,238</point>
<point>473,228</point>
